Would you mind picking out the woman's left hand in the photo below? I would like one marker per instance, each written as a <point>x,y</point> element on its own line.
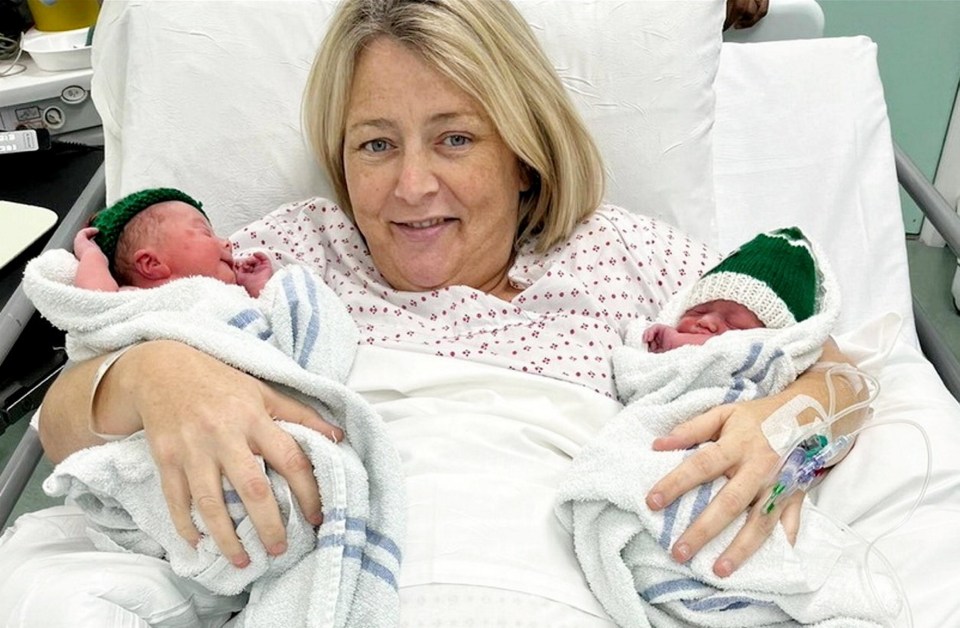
<point>740,451</point>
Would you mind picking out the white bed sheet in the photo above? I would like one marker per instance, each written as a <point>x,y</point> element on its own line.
<point>876,486</point>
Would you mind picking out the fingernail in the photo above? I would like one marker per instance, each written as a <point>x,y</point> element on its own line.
<point>682,552</point>
<point>315,519</point>
<point>240,560</point>
<point>277,548</point>
<point>723,568</point>
<point>655,501</point>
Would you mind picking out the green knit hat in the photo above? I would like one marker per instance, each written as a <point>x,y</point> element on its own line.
<point>773,275</point>
<point>111,221</point>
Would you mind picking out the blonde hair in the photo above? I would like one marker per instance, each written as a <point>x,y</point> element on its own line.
<point>486,48</point>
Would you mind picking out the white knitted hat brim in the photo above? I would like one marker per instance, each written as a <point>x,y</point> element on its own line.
<point>748,291</point>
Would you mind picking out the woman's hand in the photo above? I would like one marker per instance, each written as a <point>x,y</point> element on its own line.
<point>745,13</point>
<point>740,451</point>
<point>204,419</point>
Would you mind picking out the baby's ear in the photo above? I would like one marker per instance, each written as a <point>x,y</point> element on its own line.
<point>148,265</point>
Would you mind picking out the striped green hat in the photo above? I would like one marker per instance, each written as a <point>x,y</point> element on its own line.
<point>111,221</point>
<point>773,275</point>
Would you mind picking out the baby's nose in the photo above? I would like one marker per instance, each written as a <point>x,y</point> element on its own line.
<point>709,322</point>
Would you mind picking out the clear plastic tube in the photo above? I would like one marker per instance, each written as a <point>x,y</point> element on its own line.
<point>781,483</point>
<point>871,545</point>
<point>10,50</point>
<point>839,446</point>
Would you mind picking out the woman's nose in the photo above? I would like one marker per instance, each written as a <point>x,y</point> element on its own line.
<point>416,179</point>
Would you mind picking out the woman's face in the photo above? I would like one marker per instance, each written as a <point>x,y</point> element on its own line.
<point>435,191</point>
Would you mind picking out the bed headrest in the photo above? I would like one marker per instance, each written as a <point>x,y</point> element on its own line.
<point>205,96</point>
<point>802,138</point>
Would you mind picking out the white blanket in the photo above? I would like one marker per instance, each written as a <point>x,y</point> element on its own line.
<point>297,335</point>
<point>623,546</point>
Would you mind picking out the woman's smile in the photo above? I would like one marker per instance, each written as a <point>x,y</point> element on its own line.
<point>425,230</point>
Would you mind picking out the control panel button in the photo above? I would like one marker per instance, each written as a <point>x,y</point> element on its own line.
<point>73,95</point>
<point>53,117</point>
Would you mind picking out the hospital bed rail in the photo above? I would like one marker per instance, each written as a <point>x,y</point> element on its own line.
<point>18,470</point>
<point>946,221</point>
<point>13,319</point>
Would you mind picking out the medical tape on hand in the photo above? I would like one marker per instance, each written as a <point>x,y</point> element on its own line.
<point>97,378</point>
<point>783,430</point>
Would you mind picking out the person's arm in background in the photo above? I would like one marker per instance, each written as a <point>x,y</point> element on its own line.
<point>203,420</point>
<point>743,454</point>
<point>745,13</point>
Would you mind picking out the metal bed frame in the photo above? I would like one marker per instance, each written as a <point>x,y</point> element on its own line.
<point>18,470</point>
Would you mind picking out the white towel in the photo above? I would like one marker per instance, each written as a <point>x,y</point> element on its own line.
<point>298,336</point>
<point>623,546</point>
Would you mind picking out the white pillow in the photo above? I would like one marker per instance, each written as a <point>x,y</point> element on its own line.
<point>642,75</point>
<point>205,96</point>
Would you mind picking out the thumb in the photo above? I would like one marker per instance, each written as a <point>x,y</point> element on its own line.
<point>288,409</point>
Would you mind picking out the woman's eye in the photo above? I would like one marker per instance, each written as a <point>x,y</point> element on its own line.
<point>375,146</point>
<point>456,140</point>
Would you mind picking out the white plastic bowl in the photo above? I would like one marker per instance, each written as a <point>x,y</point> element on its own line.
<point>65,50</point>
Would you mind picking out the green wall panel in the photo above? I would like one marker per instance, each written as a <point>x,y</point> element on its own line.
<point>918,45</point>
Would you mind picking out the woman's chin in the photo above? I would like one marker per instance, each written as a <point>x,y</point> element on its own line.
<point>424,282</point>
<point>422,274</point>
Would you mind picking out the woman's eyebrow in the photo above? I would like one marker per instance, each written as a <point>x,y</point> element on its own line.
<point>374,123</point>
<point>385,124</point>
<point>454,116</point>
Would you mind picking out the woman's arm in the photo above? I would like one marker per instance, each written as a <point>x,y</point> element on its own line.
<point>742,453</point>
<point>65,413</point>
<point>202,419</point>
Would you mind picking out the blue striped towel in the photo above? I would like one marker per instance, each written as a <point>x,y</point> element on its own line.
<point>298,336</point>
<point>623,547</point>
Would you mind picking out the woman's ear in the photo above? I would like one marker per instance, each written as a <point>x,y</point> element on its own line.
<point>527,176</point>
<point>147,264</point>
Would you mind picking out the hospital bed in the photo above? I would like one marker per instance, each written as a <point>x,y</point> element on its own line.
<point>722,139</point>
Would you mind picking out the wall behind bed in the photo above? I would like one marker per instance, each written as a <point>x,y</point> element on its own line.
<point>919,67</point>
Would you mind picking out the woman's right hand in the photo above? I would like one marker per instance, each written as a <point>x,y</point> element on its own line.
<point>203,420</point>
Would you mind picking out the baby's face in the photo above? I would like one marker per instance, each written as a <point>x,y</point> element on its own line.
<point>715,317</point>
<point>190,247</point>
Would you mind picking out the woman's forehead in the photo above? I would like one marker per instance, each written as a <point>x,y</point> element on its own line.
<point>390,76</point>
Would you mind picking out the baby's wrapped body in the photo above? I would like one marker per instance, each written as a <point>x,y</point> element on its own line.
<point>296,334</point>
<point>624,547</point>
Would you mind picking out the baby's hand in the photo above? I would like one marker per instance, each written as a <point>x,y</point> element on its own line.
<point>83,242</point>
<point>253,273</point>
<point>653,337</point>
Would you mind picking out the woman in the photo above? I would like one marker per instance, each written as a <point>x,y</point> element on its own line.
<point>468,227</point>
